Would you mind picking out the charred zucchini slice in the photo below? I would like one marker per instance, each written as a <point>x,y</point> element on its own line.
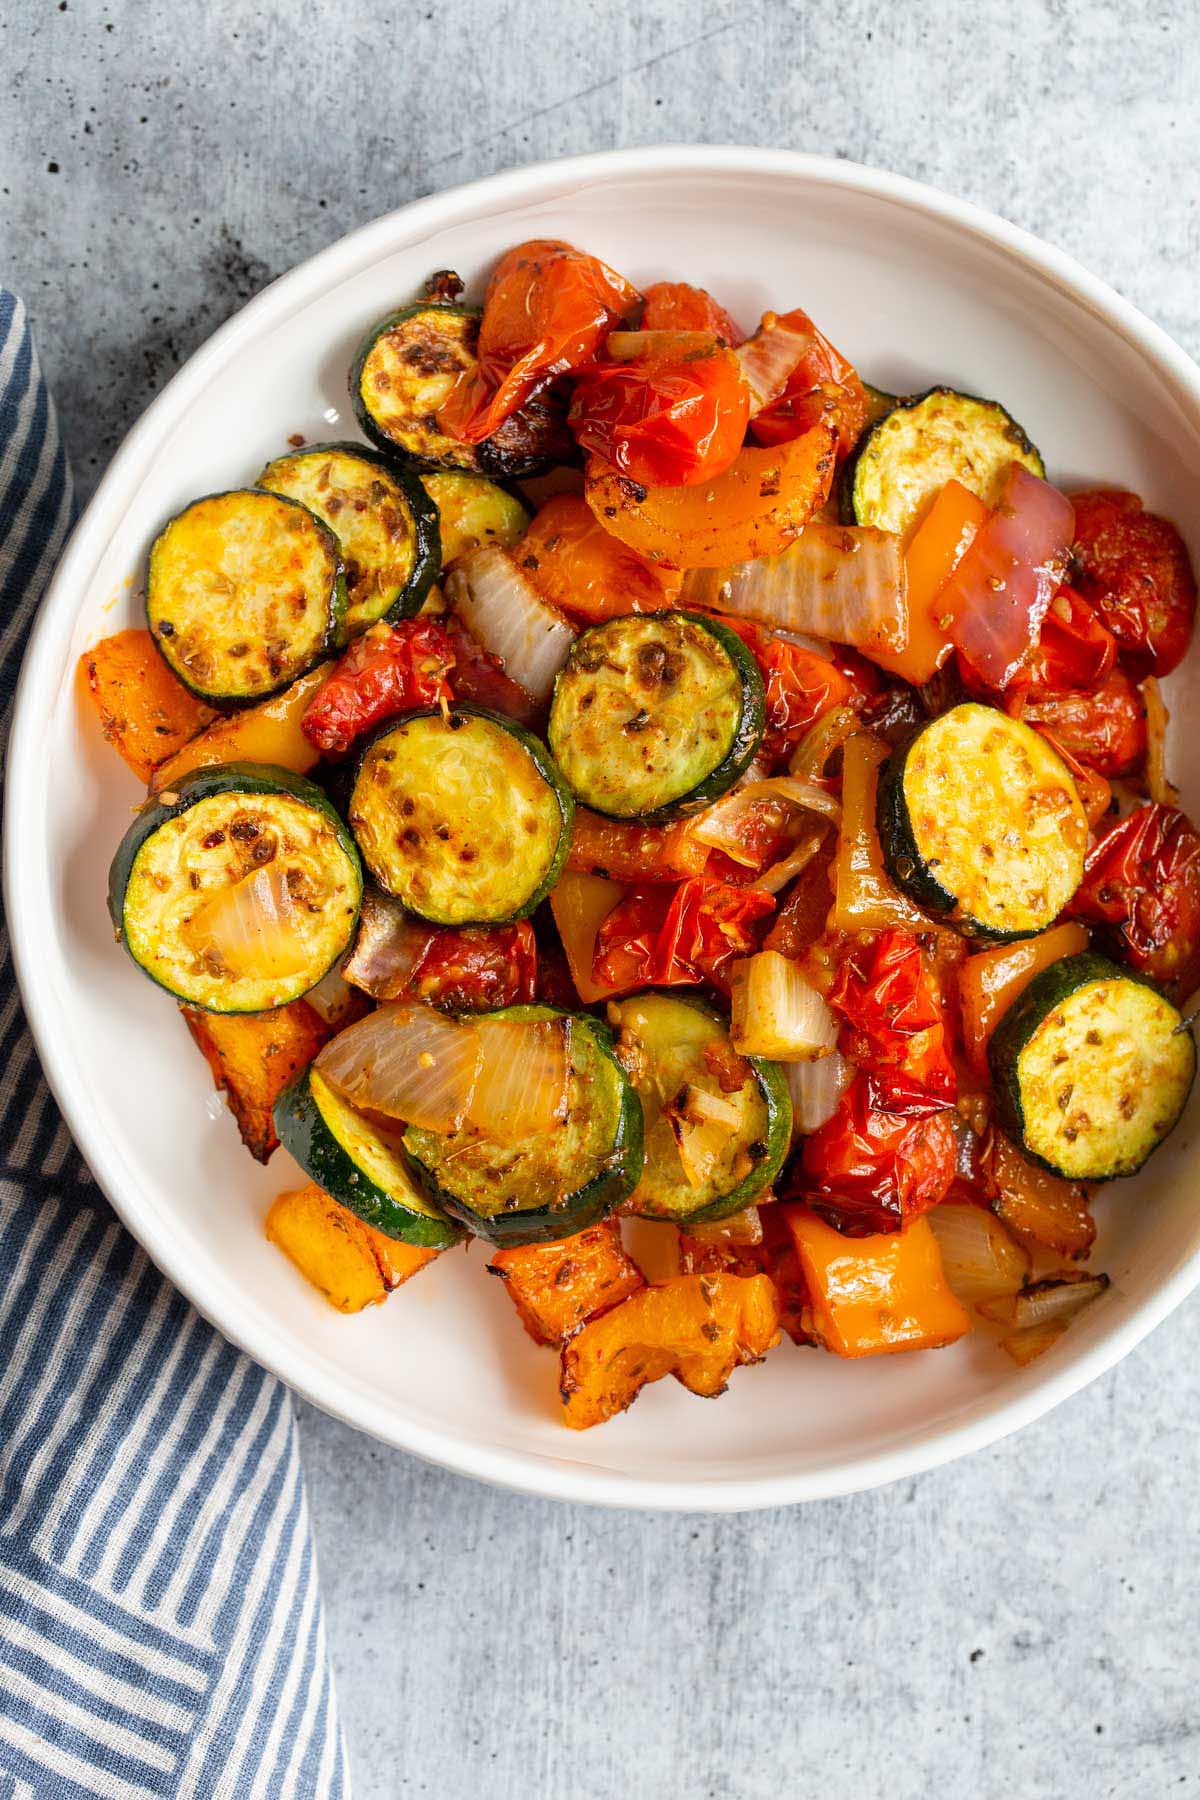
<point>555,1183</point>
<point>359,1160</point>
<point>980,822</point>
<point>655,714</point>
<point>473,511</point>
<point>244,592</point>
<point>909,455</point>
<point>711,1146</point>
<point>236,890</point>
<point>1092,1067</point>
<point>404,369</point>
<point>382,517</point>
<point>461,815</point>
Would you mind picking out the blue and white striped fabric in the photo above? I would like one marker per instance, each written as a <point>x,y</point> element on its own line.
<point>160,1623</point>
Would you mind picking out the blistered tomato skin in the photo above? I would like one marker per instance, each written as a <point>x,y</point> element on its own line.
<point>1134,568</point>
<point>1141,886</point>
<point>678,306</point>
<point>876,1165</point>
<point>823,385</point>
<point>1104,729</point>
<point>664,422</point>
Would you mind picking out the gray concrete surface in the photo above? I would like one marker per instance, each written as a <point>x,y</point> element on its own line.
<point>1021,1624</point>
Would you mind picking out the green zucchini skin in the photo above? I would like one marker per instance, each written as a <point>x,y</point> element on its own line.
<point>395,602</point>
<point>599,754</point>
<point>918,444</point>
<point>393,866</point>
<point>202,784</point>
<point>163,598</point>
<point>473,511</point>
<point>911,865</point>
<point>769,1152</point>
<point>305,1133</point>
<point>1116,1139</point>
<point>425,347</point>
<point>594,1198</point>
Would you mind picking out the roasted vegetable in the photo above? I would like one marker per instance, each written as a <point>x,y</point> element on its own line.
<point>268,733</point>
<point>698,1328</point>
<point>655,714</point>
<point>382,518</point>
<point>1041,1208</point>
<point>253,1057</point>
<point>556,1287</point>
<point>980,823</point>
<point>871,1296</point>
<point>244,591</point>
<point>990,981</point>
<point>1092,1068</point>
<point>940,436</point>
<point>238,889</point>
<point>348,1262</point>
<point>145,713</point>
<point>472,511</point>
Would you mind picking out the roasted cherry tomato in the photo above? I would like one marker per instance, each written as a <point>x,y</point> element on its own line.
<point>664,420</point>
<point>677,306</point>
<point>474,970</point>
<point>548,309</point>
<point>1141,886</point>
<point>1104,729</point>
<point>1074,649</point>
<point>800,685</point>
<point>894,1022</point>
<point>387,670</point>
<point>664,936</point>
<point>1135,568</point>
<point>823,385</point>
<point>880,1161</point>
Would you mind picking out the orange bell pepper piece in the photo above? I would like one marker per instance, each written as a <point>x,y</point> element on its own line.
<point>580,904</point>
<point>253,1056</point>
<point>145,713</point>
<point>630,852</point>
<point>696,1327</point>
<point>1040,1207</point>
<point>871,1296</point>
<point>756,507</point>
<point>347,1260</point>
<point>556,1287</point>
<point>574,563</point>
<point>930,557</point>
<point>991,980</point>
<point>267,733</point>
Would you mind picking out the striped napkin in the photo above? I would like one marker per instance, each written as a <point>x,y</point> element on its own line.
<point>161,1629</point>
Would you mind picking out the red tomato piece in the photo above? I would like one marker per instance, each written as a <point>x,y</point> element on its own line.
<point>895,1024</point>
<point>387,670</point>
<point>666,936</point>
<point>800,685</point>
<point>547,310</point>
<point>476,969</point>
<point>823,385</point>
<point>677,306</point>
<point>1135,568</point>
<point>1141,886</point>
<point>880,1161</point>
<point>1104,729</point>
<point>1074,650</point>
<point>664,420</point>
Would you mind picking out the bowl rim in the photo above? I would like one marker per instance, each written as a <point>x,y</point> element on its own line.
<point>522,1471</point>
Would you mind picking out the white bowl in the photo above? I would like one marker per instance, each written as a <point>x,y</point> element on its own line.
<point>916,288</point>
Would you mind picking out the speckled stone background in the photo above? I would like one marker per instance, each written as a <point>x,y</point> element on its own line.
<point>1023,1624</point>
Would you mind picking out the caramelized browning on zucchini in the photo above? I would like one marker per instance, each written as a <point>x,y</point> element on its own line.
<point>556,1287</point>
<point>698,1328</point>
<point>918,445</point>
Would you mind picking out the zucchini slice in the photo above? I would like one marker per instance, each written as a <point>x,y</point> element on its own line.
<point>382,518</point>
<point>556,1183</point>
<point>655,714</point>
<point>1092,1068</point>
<point>473,511</point>
<point>244,592</point>
<point>980,822</point>
<point>359,1160</point>
<point>402,373</point>
<point>708,1151</point>
<point>238,889</point>
<point>909,455</point>
<point>461,815</point>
